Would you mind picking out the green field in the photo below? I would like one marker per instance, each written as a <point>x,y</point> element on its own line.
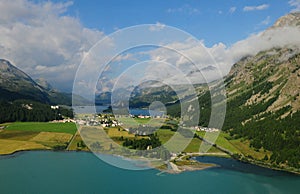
<point>237,146</point>
<point>115,132</point>
<point>38,135</point>
<point>164,135</point>
<point>18,135</point>
<point>142,120</point>
<point>75,144</point>
<point>96,134</point>
<point>10,146</point>
<point>223,142</point>
<point>12,141</point>
<point>43,127</point>
<point>246,150</point>
<point>193,147</point>
<point>133,122</point>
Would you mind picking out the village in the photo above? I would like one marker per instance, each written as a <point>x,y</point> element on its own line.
<point>206,129</point>
<point>109,120</point>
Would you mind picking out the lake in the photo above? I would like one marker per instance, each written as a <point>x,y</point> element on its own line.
<point>82,172</point>
<point>100,109</point>
<point>89,109</point>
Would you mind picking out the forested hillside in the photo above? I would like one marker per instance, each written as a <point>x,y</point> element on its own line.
<point>263,102</point>
<point>26,110</point>
<point>22,99</point>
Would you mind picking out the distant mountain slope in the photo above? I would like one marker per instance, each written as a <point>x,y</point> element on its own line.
<point>44,84</point>
<point>15,84</point>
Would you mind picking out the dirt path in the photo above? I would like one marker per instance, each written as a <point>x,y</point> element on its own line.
<point>72,140</point>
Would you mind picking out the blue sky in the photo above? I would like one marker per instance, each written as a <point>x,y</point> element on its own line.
<point>213,21</point>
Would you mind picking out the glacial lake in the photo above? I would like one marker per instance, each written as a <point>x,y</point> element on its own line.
<point>83,172</point>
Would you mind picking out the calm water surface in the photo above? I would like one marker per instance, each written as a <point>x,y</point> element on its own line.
<point>89,109</point>
<point>80,172</point>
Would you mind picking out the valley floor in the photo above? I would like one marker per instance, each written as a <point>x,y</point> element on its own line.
<point>15,137</point>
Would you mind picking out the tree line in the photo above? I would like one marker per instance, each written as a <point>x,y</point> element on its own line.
<point>279,135</point>
<point>26,110</point>
<point>142,144</point>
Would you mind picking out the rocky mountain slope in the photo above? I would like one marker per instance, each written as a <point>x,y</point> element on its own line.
<point>271,77</point>
<point>289,20</point>
<point>263,101</point>
<point>15,84</point>
<point>272,74</point>
<point>263,105</point>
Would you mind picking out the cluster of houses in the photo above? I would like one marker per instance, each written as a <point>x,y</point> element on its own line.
<point>148,116</point>
<point>206,129</point>
<point>66,120</point>
<point>55,107</point>
<point>142,116</point>
<point>99,120</point>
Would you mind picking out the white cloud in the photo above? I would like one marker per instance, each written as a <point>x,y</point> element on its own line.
<point>256,8</point>
<point>157,27</point>
<point>266,21</point>
<point>277,37</point>
<point>295,4</point>
<point>186,9</point>
<point>43,42</point>
<point>189,57</point>
<point>194,61</point>
<point>224,56</point>
<point>232,10</point>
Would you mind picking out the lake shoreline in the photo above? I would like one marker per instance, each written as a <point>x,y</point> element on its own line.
<point>83,172</point>
<point>267,165</point>
<point>182,168</point>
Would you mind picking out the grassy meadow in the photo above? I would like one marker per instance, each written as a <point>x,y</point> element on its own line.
<point>43,127</point>
<point>35,135</point>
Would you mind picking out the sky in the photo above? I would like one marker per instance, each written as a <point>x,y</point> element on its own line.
<point>213,21</point>
<point>49,39</point>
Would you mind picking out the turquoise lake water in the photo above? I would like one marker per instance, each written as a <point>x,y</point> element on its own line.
<point>81,172</point>
<point>100,109</point>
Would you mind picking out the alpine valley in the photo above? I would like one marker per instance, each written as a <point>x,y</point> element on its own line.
<point>263,102</point>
